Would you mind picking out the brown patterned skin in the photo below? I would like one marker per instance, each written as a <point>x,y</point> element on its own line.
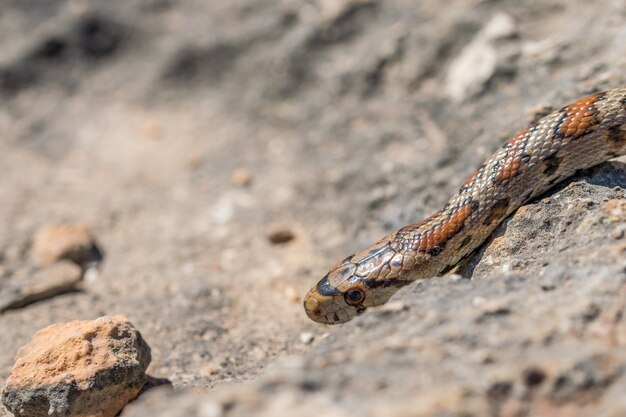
<point>575,137</point>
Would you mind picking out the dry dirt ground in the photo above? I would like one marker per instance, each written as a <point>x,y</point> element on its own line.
<point>186,133</point>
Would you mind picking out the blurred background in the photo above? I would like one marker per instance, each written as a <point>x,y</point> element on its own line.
<point>225,154</point>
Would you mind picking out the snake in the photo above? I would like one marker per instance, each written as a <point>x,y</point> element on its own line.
<point>551,149</point>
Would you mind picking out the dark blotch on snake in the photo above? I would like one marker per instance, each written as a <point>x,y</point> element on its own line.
<point>551,164</point>
<point>497,210</point>
<point>385,283</point>
<point>616,134</point>
<point>465,241</point>
<point>324,288</point>
<point>436,250</point>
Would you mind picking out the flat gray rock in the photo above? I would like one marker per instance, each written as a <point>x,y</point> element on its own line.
<point>30,286</point>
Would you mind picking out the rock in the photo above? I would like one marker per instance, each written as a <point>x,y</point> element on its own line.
<point>478,62</point>
<point>307,338</point>
<point>60,278</point>
<point>279,235</point>
<point>293,295</point>
<point>242,177</point>
<point>80,368</point>
<point>501,26</point>
<point>73,241</point>
<point>471,70</point>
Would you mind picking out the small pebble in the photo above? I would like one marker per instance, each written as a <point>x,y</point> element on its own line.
<point>242,177</point>
<point>307,338</point>
<point>195,161</point>
<point>91,275</point>
<point>292,294</point>
<point>211,409</point>
<point>279,235</point>
<point>151,130</point>
<point>73,241</point>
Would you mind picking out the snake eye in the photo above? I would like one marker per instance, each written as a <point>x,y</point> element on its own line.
<point>354,296</point>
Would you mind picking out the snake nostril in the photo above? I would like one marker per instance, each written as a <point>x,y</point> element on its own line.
<point>311,304</point>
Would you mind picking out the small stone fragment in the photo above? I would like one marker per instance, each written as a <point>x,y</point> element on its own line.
<point>65,241</point>
<point>241,177</point>
<point>278,235</point>
<point>500,26</point>
<point>292,294</point>
<point>151,130</point>
<point>60,278</point>
<point>470,71</point>
<point>393,306</point>
<point>307,338</point>
<point>78,369</point>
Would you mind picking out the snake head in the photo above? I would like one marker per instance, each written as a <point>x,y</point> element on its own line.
<point>328,304</point>
<point>360,281</point>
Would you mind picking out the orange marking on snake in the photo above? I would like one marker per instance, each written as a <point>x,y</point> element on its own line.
<point>510,169</point>
<point>580,117</point>
<point>444,231</point>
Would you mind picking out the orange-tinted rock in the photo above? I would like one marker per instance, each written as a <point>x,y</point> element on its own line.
<point>242,177</point>
<point>64,241</point>
<point>78,369</point>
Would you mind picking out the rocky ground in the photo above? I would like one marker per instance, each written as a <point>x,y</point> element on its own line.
<point>225,154</point>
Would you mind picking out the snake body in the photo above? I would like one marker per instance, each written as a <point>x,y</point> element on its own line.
<point>575,137</point>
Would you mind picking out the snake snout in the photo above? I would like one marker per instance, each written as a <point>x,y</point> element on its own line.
<point>328,309</point>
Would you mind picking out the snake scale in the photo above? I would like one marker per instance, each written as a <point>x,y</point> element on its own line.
<point>575,137</point>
